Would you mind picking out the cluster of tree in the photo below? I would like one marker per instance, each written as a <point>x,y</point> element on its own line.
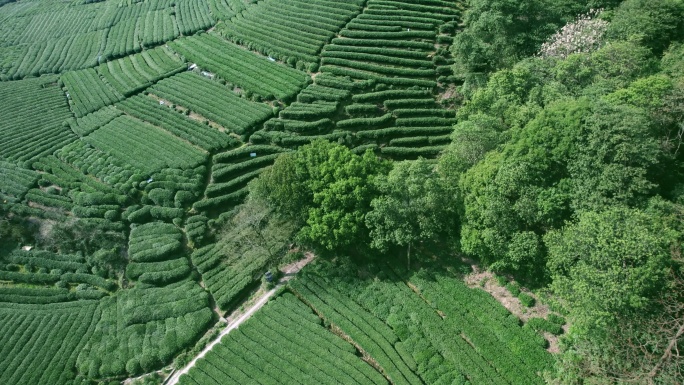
<point>13,231</point>
<point>342,201</point>
<point>499,33</point>
<point>253,229</point>
<point>101,246</point>
<point>568,172</point>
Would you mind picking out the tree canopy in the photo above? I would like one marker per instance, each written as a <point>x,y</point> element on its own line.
<point>412,207</point>
<point>326,188</point>
<point>610,264</point>
<point>567,168</point>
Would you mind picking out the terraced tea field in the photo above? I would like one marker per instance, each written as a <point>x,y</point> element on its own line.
<point>422,328</point>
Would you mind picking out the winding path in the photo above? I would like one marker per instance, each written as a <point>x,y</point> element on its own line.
<point>289,271</point>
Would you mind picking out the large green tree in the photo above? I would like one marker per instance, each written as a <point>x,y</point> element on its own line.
<point>654,24</point>
<point>412,207</point>
<point>618,155</point>
<point>470,141</point>
<point>619,273</point>
<point>609,263</point>
<point>284,187</point>
<point>254,226</point>
<point>325,188</point>
<point>516,194</point>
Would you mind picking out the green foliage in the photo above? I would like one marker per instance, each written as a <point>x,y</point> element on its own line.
<point>499,33</point>
<point>134,73</point>
<point>470,141</point>
<point>161,197</point>
<point>654,24</point>
<point>158,273</point>
<point>81,235</point>
<point>355,303</point>
<point>192,91</point>
<point>295,33</point>
<point>513,288</point>
<point>552,173</point>
<point>47,134</point>
<point>153,150</point>
<point>87,92</point>
<point>241,67</point>
<point>326,186</point>
<point>616,156</point>
<point>646,93</point>
<point>54,337</point>
<point>542,325</point>
<point>368,331</point>
<point>526,299</point>
<point>142,328</point>
<point>17,182</point>
<point>13,230</point>
<point>556,319</point>
<point>411,152</point>
<point>196,230</point>
<point>609,264</point>
<point>506,91</point>
<point>412,207</point>
<point>502,281</point>
<point>150,379</point>
<point>673,60</point>
<point>253,238</point>
<point>513,195</point>
<point>285,342</point>
<point>558,163</point>
<point>208,138</point>
<point>153,242</point>
<point>549,138</point>
<point>609,68</point>
<point>283,187</point>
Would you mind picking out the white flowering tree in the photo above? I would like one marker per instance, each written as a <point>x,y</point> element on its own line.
<point>582,35</point>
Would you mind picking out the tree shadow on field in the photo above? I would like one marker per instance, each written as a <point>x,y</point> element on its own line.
<point>358,269</point>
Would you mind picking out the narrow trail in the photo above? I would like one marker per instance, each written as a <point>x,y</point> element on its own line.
<point>289,271</point>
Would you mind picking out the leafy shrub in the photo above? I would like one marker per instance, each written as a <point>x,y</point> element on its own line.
<point>556,319</point>
<point>501,280</point>
<point>526,299</point>
<point>111,215</point>
<point>133,367</point>
<point>166,213</point>
<point>513,288</point>
<point>12,267</point>
<point>150,360</point>
<point>542,325</point>
<point>161,197</point>
<point>140,215</point>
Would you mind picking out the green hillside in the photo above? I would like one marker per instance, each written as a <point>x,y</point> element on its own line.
<point>492,191</point>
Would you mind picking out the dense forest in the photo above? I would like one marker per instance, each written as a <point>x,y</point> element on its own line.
<point>564,173</point>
